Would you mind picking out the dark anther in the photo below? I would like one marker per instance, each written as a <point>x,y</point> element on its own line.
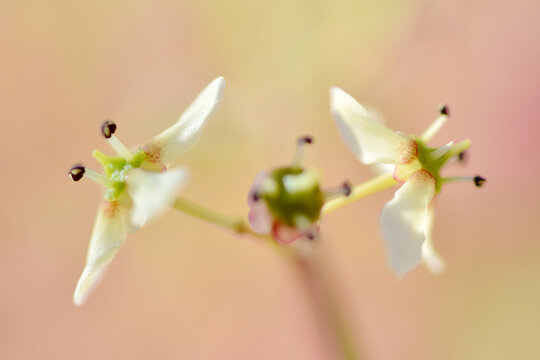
<point>305,140</point>
<point>76,172</point>
<point>310,236</point>
<point>255,196</point>
<point>479,181</point>
<point>108,128</point>
<point>443,110</point>
<point>346,188</point>
<point>462,156</point>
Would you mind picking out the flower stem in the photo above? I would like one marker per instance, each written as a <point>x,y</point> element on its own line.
<point>361,191</point>
<point>321,290</point>
<point>236,224</point>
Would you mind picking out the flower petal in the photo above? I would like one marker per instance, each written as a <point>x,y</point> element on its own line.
<point>284,234</point>
<point>166,147</point>
<point>152,193</point>
<point>107,237</point>
<point>368,139</point>
<point>259,216</point>
<point>404,219</point>
<point>430,257</point>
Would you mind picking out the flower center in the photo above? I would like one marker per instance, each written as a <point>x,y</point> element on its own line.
<point>116,169</point>
<point>431,160</point>
<point>293,196</point>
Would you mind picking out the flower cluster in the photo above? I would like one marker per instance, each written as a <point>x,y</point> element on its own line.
<point>286,204</point>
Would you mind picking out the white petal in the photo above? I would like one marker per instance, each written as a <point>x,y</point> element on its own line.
<point>259,217</point>
<point>430,257</point>
<point>404,220</point>
<point>285,235</point>
<point>368,139</point>
<point>256,186</point>
<point>381,169</point>
<point>107,237</point>
<point>184,134</point>
<point>152,193</point>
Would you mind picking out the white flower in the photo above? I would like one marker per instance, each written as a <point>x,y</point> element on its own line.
<point>138,186</point>
<point>406,220</point>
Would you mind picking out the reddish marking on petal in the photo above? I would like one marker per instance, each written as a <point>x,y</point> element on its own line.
<point>409,153</point>
<point>153,153</point>
<point>422,175</point>
<point>109,208</point>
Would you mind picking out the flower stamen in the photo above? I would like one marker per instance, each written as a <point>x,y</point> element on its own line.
<point>477,180</point>
<point>301,142</point>
<point>441,151</point>
<point>255,196</point>
<point>456,150</point>
<point>77,172</point>
<point>344,190</point>
<point>434,128</point>
<point>108,128</point>
<point>98,177</point>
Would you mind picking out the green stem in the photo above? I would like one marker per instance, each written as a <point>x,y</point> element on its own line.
<point>360,191</point>
<point>236,224</point>
<point>327,307</point>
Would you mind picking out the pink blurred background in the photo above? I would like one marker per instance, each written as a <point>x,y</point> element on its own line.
<point>180,288</point>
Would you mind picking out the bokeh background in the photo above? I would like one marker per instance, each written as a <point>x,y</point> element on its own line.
<point>183,289</point>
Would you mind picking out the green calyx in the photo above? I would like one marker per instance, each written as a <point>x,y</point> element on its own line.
<point>116,169</point>
<point>293,195</point>
<point>433,159</point>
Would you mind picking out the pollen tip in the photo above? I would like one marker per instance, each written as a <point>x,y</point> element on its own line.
<point>255,196</point>
<point>108,128</point>
<point>443,110</point>
<point>479,181</point>
<point>347,189</point>
<point>462,156</point>
<point>305,140</point>
<point>76,172</point>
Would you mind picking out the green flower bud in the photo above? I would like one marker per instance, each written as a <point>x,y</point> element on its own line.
<point>293,195</point>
